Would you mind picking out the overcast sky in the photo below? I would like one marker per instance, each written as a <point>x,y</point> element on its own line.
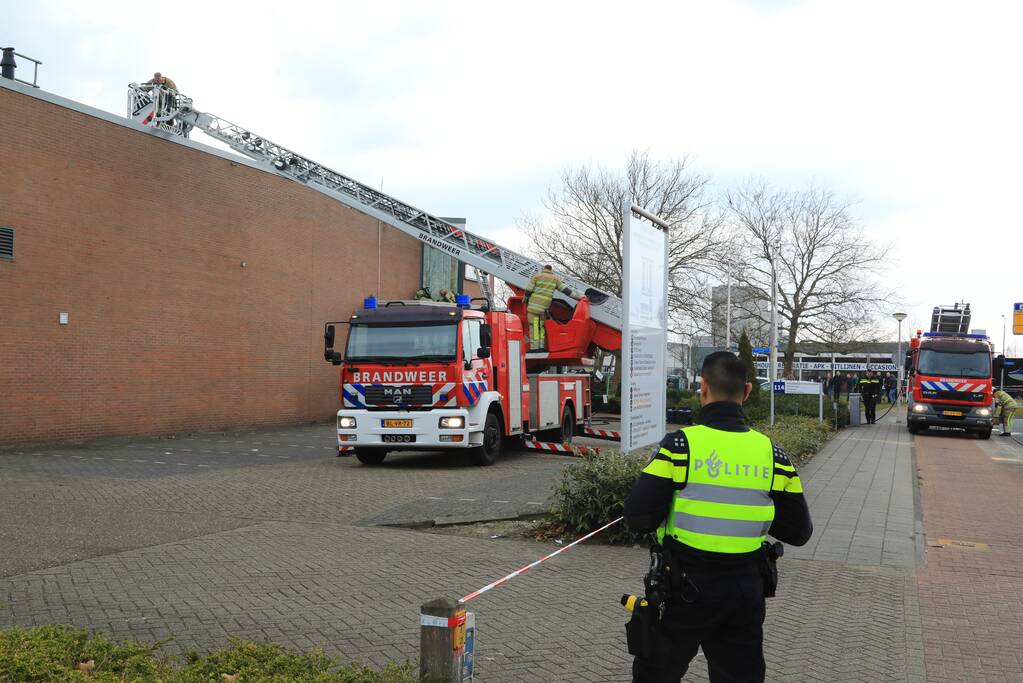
<point>472,109</point>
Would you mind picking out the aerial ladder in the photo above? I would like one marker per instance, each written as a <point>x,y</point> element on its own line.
<point>163,109</point>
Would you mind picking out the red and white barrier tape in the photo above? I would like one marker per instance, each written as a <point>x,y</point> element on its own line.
<point>523,570</point>
<point>602,433</point>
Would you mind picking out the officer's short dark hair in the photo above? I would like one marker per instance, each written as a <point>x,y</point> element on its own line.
<point>725,374</point>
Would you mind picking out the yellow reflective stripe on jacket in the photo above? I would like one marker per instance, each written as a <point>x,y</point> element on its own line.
<point>668,465</point>
<point>725,505</point>
<point>785,477</point>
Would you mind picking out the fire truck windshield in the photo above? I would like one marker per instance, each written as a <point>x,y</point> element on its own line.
<point>423,342</point>
<point>972,363</point>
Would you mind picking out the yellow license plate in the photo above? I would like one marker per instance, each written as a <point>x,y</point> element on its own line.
<point>398,423</point>
<point>953,413</point>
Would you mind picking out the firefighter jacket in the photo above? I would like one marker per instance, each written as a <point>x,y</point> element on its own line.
<point>714,491</point>
<point>1003,399</point>
<point>541,290</point>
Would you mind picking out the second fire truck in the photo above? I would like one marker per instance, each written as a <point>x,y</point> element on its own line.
<point>949,375</point>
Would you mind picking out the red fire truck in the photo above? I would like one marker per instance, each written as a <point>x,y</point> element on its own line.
<point>949,375</point>
<point>423,375</point>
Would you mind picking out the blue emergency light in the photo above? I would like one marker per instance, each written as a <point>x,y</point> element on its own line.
<point>369,303</point>
<point>956,334</point>
<point>462,301</point>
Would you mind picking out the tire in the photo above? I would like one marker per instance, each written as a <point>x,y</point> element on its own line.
<point>913,429</point>
<point>370,456</point>
<point>567,425</point>
<point>984,434</point>
<point>493,437</point>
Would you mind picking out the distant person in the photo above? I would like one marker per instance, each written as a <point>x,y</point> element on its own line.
<point>827,384</point>
<point>837,386</point>
<point>851,382</point>
<point>165,101</point>
<point>870,390</point>
<point>891,388</point>
<point>1008,406</point>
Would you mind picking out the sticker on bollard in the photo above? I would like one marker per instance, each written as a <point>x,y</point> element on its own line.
<point>441,622</point>
<point>468,667</point>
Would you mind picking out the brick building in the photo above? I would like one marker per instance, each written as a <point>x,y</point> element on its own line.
<point>159,285</point>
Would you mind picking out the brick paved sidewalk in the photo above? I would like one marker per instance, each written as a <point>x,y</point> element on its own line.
<point>861,492</point>
<point>971,591</point>
<point>301,569</point>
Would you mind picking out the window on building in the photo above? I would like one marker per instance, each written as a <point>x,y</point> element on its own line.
<point>440,271</point>
<point>6,242</point>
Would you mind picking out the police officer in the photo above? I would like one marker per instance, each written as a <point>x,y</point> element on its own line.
<point>713,492</point>
<point>870,389</point>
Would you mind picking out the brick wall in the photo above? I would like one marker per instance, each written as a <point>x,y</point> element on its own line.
<point>141,240</point>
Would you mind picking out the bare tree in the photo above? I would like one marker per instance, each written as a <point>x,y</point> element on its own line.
<point>581,230</point>
<point>827,267</point>
<point>581,233</point>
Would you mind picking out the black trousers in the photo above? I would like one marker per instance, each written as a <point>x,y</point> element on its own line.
<point>870,407</point>
<point>725,618</point>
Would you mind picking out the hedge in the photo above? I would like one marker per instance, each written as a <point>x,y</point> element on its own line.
<point>62,653</point>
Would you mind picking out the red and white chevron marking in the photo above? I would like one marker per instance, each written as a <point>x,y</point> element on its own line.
<point>548,446</point>
<point>602,434</point>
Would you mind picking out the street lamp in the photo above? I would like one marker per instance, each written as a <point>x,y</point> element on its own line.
<point>773,358</point>
<point>899,364</point>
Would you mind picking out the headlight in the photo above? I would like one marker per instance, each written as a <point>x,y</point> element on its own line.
<point>346,422</point>
<point>454,422</point>
<point>919,408</point>
<point>984,412</point>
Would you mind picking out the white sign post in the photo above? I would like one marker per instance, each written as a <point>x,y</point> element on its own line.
<point>644,328</point>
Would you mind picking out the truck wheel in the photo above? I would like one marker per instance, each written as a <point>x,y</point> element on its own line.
<point>567,426</point>
<point>488,453</point>
<point>370,456</point>
<point>984,434</point>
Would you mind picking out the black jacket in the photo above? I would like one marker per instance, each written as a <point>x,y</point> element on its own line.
<point>651,498</point>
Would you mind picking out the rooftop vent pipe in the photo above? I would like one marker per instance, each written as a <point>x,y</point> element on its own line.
<point>7,64</point>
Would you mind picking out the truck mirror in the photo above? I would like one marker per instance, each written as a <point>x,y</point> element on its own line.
<point>328,337</point>
<point>483,352</point>
<point>486,338</point>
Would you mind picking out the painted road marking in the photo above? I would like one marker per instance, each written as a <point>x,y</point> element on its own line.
<point>159,462</point>
<point>502,501</point>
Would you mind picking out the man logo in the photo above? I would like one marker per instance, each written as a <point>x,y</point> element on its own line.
<point>395,392</point>
<point>713,465</point>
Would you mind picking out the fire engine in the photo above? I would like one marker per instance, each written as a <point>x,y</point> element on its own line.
<point>949,375</point>
<point>421,375</point>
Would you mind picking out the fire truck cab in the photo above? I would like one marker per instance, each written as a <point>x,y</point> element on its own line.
<point>423,375</point>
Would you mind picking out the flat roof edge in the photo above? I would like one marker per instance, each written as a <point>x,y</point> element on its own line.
<point>103,115</point>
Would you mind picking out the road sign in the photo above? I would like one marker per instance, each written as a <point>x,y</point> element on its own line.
<point>1017,319</point>
<point>779,386</point>
<point>762,350</point>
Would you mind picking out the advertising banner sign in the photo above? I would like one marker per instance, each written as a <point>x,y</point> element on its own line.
<point>644,329</point>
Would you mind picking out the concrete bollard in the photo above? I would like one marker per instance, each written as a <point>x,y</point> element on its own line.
<point>441,640</point>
